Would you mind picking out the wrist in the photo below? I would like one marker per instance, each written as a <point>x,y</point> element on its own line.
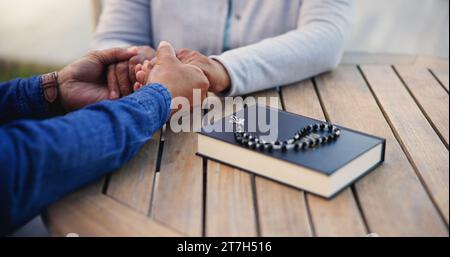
<point>224,81</point>
<point>63,80</point>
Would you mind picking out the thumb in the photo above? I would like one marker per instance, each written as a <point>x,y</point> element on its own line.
<point>114,55</point>
<point>166,53</point>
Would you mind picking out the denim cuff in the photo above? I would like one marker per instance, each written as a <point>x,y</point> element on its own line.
<point>30,98</point>
<point>147,95</point>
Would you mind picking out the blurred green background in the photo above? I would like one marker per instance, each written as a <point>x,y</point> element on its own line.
<point>10,69</point>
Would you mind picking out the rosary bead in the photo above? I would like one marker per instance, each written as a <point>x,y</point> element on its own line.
<point>303,145</point>
<point>290,146</point>
<point>268,147</point>
<point>330,127</point>
<point>276,147</point>
<point>301,140</point>
<point>311,142</point>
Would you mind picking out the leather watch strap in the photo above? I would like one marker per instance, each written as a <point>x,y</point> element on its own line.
<point>50,87</point>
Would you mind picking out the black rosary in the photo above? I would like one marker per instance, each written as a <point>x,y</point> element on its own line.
<point>302,140</point>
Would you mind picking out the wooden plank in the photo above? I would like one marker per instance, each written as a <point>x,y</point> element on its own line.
<point>230,210</point>
<point>281,209</point>
<point>178,197</point>
<point>392,199</point>
<point>339,216</point>
<point>430,96</point>
<point>99,215</point>
<point>442,77</point>
<point>132,185</point>
<point>432,63</point>
<point>427,152</point>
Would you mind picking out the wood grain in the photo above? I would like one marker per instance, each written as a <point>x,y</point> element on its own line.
<point>427,152</point>
<point>178,197</point>
<point>429,94</point>
<point>282,210</point>
<point>393,201</point>
<point>230,209</point>
<point>339,216</point>
<point>132,185</point>
<point>442,76</point>
<point>431,63</point>
<point>99,215</point>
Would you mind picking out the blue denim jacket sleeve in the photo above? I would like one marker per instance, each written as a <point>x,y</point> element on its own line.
<point>22,99</point>
<point>43,160</point>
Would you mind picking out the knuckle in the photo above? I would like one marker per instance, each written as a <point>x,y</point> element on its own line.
<point>183,50</point>
<point>134,60</point>
<point>95,55</point>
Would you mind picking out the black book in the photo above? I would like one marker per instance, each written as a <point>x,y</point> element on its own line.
<point>323,170</point>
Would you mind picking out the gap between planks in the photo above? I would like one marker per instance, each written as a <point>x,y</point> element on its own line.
<point>392,198</point>
<point>405,150</point>
<point>339,216</point>
<point>429,96</point>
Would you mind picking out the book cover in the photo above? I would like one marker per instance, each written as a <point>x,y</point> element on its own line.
<point>326,159</point>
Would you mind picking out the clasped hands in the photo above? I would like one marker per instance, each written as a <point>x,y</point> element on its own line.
<point>114,73</point>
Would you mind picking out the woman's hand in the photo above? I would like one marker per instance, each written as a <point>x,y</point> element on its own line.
<point>216,73</point>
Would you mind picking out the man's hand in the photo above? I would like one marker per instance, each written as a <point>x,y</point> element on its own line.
<point>180,79</point>
<point>216,73</point>
<point>84,82</point>
<point>121,76</point>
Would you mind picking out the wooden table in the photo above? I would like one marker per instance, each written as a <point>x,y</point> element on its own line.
<point>169,191</point>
